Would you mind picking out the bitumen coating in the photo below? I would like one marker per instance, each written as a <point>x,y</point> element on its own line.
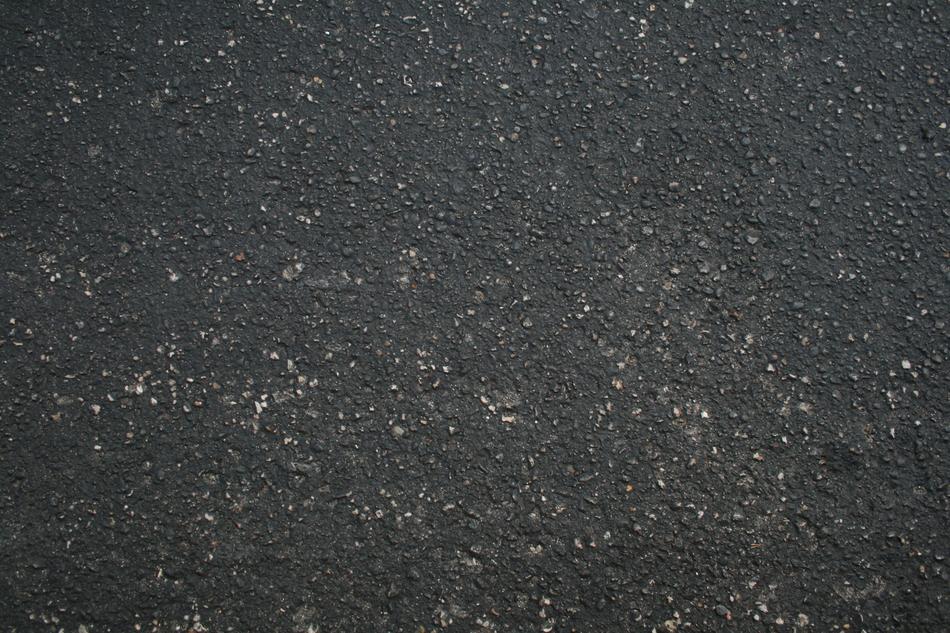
<point>469,316</point>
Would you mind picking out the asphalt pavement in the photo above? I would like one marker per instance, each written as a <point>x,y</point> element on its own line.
<point>471,316</point>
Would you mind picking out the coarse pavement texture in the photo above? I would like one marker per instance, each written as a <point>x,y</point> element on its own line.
<point>591,316</point>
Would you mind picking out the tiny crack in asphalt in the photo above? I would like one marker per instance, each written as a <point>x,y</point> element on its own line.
<point>472,316</point>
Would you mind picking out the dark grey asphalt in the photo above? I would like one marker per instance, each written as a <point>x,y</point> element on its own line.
<point>469,316</point>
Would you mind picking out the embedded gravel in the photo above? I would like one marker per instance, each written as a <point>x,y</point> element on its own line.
<point>474,316</point>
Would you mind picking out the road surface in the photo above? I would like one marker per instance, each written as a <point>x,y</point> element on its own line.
<point>474,316</point>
